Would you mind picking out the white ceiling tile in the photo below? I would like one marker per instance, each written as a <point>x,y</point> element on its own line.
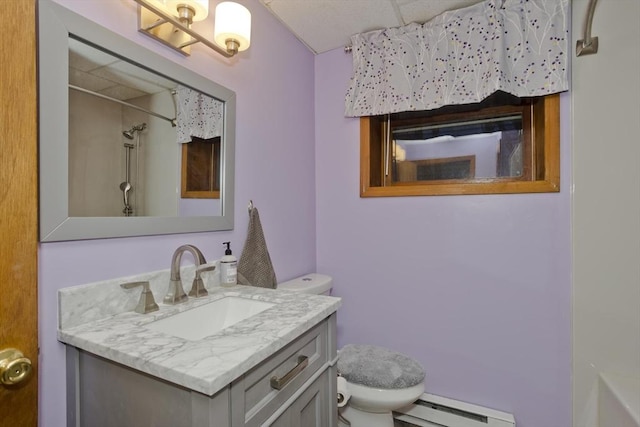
<point>423,10</point>
<point>143,80</point>
<point>98,71</point>
<point>86,58</point>
<point>123,92</point>
<point>325,25</point>
<point>88,80</point>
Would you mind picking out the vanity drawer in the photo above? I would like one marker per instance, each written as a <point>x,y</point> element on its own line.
<point>255,395</point>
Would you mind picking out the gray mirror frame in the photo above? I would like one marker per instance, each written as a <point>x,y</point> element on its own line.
<point>56,23</point>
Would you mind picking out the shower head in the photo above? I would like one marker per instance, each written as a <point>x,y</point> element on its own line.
<point>136,128</point>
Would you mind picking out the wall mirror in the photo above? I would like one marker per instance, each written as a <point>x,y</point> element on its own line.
<point>112,114</point>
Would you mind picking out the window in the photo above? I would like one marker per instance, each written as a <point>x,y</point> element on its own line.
<point>201,169</point>
<point>504,144</point>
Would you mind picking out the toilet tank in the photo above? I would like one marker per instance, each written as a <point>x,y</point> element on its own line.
<point>313,283</point>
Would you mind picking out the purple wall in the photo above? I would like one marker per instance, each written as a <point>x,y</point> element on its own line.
<point>275,168</point>
<point>476,288</point>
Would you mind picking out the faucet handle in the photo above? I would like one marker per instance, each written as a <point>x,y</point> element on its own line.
<point>146,304</point>
<point>203,268</point>
<point>197,288</point>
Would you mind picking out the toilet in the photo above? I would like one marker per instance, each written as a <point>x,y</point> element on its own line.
<point>372,381</point>
<point>313,283</point>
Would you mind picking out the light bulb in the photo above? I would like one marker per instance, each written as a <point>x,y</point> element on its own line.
<point>232,29</point>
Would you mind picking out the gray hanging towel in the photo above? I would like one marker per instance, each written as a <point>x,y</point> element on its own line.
<point>254,267</point>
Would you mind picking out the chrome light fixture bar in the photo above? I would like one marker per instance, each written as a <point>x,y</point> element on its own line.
<point>156,21</point>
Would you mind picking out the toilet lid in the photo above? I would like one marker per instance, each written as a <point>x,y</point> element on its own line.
<point>378,367</point>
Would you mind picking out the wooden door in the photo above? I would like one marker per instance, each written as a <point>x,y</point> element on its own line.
<point>18,207</point>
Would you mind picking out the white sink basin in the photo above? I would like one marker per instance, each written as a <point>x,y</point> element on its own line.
<point>205,320</point>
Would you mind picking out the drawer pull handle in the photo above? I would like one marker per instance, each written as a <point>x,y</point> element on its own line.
<point>279,383</point>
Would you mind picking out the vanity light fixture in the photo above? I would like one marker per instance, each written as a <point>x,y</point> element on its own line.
<point>169,22</point>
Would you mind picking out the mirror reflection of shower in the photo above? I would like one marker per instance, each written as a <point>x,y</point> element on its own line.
<point>126,187</point>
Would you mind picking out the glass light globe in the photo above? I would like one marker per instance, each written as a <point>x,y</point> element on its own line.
<point>232,22</point>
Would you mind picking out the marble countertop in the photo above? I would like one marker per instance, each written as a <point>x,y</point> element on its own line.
<point>209,364</point>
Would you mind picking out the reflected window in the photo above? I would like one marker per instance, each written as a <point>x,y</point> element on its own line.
<point>452,150</point>
<point>201,169</point>
<point>502,145</point>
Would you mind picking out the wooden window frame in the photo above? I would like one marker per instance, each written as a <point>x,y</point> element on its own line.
<point>541,162</point>
<point>187,167</point>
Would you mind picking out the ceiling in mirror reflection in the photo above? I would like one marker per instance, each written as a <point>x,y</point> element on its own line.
<point>100,72</point>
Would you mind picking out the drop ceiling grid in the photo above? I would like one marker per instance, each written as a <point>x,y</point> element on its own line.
<point>324,25</point>
<point>423,10</point>
<point>328,24</point>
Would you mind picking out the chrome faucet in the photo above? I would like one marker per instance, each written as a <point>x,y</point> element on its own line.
<point>146,304</point>
<point>175,294</point>
<point>197,288</point>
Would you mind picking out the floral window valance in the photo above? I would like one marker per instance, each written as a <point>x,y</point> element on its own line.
<point>198,115</point>
<point>461,57</point>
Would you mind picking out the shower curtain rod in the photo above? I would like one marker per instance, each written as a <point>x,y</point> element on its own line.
<point>588,45</point>
<point>135,107</point>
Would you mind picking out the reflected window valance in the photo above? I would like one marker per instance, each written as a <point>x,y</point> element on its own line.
<point>198,115</point>
<point>461,57</point>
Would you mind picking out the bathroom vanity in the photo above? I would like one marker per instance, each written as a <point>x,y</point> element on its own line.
<point>276,367</point>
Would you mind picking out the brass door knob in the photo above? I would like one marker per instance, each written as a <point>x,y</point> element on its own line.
<point>14,367</point>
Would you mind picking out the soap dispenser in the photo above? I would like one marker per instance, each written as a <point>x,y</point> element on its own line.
<point>228,267</point>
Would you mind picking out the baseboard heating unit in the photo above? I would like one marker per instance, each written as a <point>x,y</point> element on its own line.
<point>435,411</point>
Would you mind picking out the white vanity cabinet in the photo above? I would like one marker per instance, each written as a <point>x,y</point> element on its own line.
<point>105,393</point>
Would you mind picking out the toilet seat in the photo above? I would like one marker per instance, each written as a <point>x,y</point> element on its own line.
<point>378,381</point>
<point>378,367</point>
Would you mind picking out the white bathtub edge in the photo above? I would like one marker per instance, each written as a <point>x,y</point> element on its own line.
<point>625,391</point>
